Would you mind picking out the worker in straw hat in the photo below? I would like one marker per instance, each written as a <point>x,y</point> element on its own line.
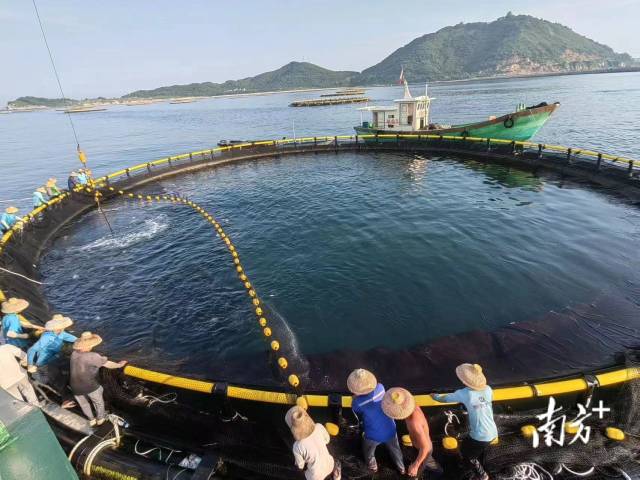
<point>378,428</point>
<point>73,180</point>
<point>399,404</point>
<point>38,197</point>
<point>477,397</point>
<point>50,344</point>
<point>310,446</point>
<point>13,324</point>
<point>85,365</point>
<point>8,219</point>
<point>52,188</point>
<point>13,378</point>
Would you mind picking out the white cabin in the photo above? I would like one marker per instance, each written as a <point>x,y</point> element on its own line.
<point>409,114</point>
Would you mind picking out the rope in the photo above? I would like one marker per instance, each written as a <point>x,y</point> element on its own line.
<point>579,474</point>
<point>55,71</point>
<point>528,471</point>
<point>20,275</point>
<point>450,417</point>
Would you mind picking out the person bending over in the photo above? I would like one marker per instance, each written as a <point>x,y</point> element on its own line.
<point>378,427</point>
<point>85,365</point>
<point>399,404</point>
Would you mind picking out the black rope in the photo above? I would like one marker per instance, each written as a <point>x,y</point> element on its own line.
<point>55,71</point>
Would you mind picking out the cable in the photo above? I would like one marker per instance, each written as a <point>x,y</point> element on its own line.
<point>20,275</point>
<point>579,474</point>
<point>55,71</point>
<point>623,473</point>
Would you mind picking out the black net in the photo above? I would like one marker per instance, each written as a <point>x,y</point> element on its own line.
<point>253,441</point>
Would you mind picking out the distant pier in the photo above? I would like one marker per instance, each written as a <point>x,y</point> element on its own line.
<point>328,101</point>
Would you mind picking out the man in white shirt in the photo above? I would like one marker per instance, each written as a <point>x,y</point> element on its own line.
<point>13,377</point>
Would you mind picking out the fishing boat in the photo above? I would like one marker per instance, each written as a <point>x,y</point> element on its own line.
<point>410,115</point>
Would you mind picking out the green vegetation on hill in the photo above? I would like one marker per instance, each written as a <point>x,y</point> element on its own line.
<point>292,76</point>
<point>511,45</point>
<point>26,102</point>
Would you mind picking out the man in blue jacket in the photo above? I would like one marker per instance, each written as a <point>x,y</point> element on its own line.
<point>378,427</point>
<point>51,342</point>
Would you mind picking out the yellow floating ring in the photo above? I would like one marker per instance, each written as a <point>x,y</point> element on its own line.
<point>294,381</point>
<point>449,443</point>
<point>282,362</point>
<point>275,346</point>
<point>267,332</point>
<point>262,321</point>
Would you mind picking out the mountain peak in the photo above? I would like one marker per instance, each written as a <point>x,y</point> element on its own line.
<point>510,45</point>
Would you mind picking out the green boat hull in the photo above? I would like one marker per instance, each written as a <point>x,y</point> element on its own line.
<point>519,126</point>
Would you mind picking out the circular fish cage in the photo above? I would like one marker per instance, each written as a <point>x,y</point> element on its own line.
<point>173,425</point>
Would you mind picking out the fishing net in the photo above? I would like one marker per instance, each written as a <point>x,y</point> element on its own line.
<point>253,442</point>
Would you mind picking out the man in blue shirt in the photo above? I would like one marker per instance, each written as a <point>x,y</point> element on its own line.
<point>8,219</point>
<point>38,197</point>
<point>73,181</point>
<point>12,328</point>
<point>82,177</point>
<point>378,427</point>
<point>477,397</point>
<point>51,342</point>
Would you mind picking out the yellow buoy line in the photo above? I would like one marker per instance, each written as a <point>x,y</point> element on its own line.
<point>292,378</point>
<point>357,139</point>
<point>525,391</point>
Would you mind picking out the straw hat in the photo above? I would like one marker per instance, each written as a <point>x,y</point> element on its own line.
<point>398,403</point>
<point>58,322</point>
<point>471,375</point>
<point>73,174</point>
<point>87,341</point>
<point>300,423</point>
<point>14,305</point>
<point>361,382</point>
<point>41,190</point>
<point>11,210</point>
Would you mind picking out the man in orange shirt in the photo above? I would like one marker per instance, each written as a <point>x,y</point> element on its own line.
<point>399,404</point>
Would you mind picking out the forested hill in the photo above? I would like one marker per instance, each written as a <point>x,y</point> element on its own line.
<point>511,45</point>
<point>294,75</point>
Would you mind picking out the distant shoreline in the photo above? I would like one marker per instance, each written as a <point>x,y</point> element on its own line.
<point>140,101</point>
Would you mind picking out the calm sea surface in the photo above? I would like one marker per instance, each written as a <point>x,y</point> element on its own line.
<point>354,251</point>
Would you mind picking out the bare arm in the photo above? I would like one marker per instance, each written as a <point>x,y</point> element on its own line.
<point>111,365</point>
<point>12,334</point>
<point>424,448</point>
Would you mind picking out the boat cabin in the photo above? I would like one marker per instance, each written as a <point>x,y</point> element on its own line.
<point>408,114</point>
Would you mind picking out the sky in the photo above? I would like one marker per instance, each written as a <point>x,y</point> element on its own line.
<point>110,48</point>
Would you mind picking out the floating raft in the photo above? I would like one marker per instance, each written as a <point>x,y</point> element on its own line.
<point>84,109</point>
<point>343,94</point>
<point>319,102</point>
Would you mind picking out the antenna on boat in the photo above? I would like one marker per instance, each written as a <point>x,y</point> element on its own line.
<point>81,155</point>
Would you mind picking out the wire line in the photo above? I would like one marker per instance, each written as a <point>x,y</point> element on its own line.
<point>55,71</point>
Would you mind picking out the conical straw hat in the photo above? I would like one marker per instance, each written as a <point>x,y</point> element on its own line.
<point>11,210</point>
<point>14,305</point>
<point>398,403</point>
<point>361,382</point>
<point>58,322</point>
<point>41,190</point>
<point>87,341</point>
<point>471,375</point>
<point>300,423</point>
